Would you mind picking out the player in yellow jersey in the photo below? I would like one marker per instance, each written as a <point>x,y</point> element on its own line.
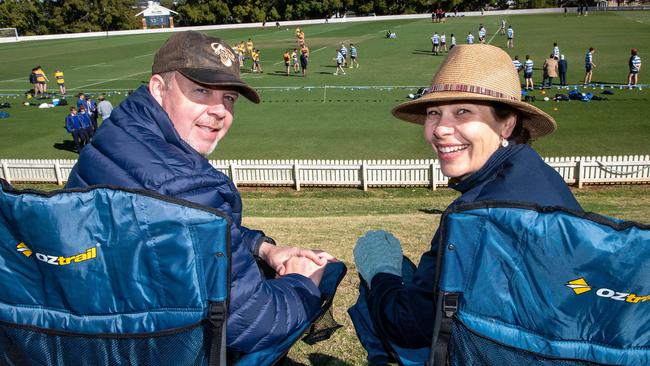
<point>287,60</point>
<point>41,81</point>
<point>60,81</point>
<point>249,47</point>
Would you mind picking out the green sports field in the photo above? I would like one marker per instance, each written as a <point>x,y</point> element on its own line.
<point>300,118</point>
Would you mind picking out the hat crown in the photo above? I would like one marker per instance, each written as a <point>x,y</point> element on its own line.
<point>195,50</point>
<point>479,68</point>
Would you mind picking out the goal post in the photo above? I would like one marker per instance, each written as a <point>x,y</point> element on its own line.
<point>8,35</point>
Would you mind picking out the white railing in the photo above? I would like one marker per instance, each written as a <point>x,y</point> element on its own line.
<point>355,173</point>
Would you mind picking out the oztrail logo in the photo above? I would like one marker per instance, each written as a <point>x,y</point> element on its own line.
<point>54,260</point>
<point>580,286</point>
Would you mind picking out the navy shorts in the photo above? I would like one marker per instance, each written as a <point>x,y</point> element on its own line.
<point>528,75</point>
<point>588,68</point>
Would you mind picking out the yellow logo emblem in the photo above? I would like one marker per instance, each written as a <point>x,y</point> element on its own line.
<point>579,286</point>
<point>22,248</point>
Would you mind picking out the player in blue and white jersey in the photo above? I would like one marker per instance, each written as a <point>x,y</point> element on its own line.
<point>353,56</point>
<point>481,33</point>
<point>435,41</point>
<point>470,38</point>
<point>344,53</point>
<point>443,42</point>
<point>635,68</point>
<point>339,63</point>
<point>589,65</point>
<point>556,51</point>
<point>511,37</point>
<point>453,41</point>
<point>517,64</point>
<point>528,73</point>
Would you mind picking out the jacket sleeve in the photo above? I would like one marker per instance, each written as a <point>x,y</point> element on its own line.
<point>403,311</point>
<point>68,123</point>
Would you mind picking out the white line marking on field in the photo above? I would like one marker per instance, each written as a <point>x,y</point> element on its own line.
<point>148,54</point>
<point>104,64</point>
<point>11,80</point>
<point>108,80</point>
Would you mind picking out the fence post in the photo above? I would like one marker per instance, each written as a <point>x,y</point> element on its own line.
<point>5,170</point>
<point>57,172</point>
<point>364,176</point>
<point>232,170</point>
<point>580,171</point>
<point>434,176</point>
<point>296,176</point>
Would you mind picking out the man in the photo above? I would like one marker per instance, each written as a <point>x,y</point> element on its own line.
<point>563,67</point>
<point>635,67</point>
<point>589,65</point>
<point>104,108</point>
<point>158,139</point>
<point>511,37</point>
<point>60,81</point>
<point>550,71</point>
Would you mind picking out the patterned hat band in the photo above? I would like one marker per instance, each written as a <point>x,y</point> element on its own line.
<point>470,89</point>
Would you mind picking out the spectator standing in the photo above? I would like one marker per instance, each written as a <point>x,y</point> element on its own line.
<point>81,100</point>
<point>86,124</point>
<point>528,73</point>
<point>562,69</point>
<point>589,65</point>
<point>104,108</point>
<point>550,71</point>
<point>635,67</point>
<point>73,126</point>
<point>511,37</point>
<point>354,56</point>
<point>60,81</point>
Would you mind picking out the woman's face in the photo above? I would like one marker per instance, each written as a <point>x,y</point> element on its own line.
<point>464,135</point>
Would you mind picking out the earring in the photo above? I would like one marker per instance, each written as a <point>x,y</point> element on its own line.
<point>504,142</point>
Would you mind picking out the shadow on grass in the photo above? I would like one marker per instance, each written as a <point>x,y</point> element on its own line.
<point>67,145</point>
<point>431,211</point>
<point>318,359</point>
<point>423,52</point>
<point>283,73</point>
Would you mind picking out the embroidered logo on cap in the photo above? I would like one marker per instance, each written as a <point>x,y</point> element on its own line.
<point>226,55</point>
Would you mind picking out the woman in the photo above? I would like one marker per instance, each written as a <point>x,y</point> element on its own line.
<point>476,123</point>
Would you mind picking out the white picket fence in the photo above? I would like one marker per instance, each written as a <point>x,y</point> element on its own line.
<point>355,173</point>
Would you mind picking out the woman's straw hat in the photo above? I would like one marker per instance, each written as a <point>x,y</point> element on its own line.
<point>477,72</point>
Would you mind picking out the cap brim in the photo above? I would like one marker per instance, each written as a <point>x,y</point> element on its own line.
<point>214,78</point>
<point>537,122</point>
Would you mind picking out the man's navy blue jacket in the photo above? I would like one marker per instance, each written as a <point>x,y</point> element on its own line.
<point>404,312</point>
<point>139,148</point>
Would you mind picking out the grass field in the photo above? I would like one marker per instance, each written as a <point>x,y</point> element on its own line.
<point>350,119</point>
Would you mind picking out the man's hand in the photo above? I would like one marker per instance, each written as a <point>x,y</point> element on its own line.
<point>277,256</point>
<point>306,267</point>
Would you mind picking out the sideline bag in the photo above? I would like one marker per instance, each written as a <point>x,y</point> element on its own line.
<point>528,285</point>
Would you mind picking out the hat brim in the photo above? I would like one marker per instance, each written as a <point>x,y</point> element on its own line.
<point>212,78</point>
<point>537,122</point>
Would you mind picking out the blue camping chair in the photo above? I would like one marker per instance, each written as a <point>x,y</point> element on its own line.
<point>527,285</point>
<point>108,276</point>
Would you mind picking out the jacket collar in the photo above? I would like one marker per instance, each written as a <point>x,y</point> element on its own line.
<point>489,168</point>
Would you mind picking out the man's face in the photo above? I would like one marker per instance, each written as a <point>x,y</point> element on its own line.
<point>201,115</point>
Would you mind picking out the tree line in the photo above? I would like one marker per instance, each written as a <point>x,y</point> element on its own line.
<point>32,17</point>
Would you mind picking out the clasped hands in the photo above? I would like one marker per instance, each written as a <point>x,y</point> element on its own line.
<point>286,260</point>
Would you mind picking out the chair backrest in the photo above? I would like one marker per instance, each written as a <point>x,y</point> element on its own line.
<point>110,276</point>
<point>546,286</point>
